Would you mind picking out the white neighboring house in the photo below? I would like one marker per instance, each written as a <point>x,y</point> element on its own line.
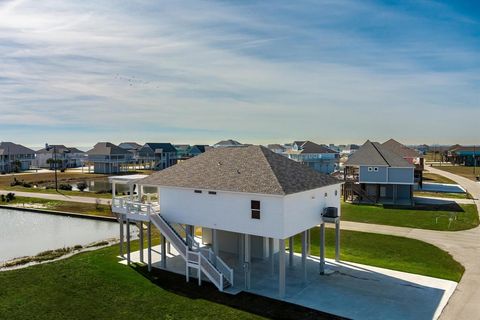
<point>247,202</point>
<point>68,157</point>
<point>15,157</point>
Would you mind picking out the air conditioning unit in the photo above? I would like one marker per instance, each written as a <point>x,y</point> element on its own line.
<point>330,212</point>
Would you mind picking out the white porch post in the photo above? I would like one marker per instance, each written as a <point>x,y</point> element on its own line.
<point>290,252</point>
<point>140,239</point>
<point>149,240</point>
<point>128,241</point>
<point>140,192</point>
<point>304,255</point>
<point>337,240</point>
<point>270,255</point>
<point>281,268</point>
<point>122,237</point>
<point>164,251</point>
<point>247,267</point>
<point>322,248</point>
<point>114,191</point>
<point>309,241</point>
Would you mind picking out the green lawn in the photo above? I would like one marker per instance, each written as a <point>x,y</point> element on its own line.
<point>389,252</point>
<point>463,171</point>
<point>442,195</point>
<point>94,285</point>
<point>436,178</point>
<point>55,205</point>
<point>464,216</point>
<point>62,192</point>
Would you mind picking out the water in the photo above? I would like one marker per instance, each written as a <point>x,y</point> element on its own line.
<point>28,233</point>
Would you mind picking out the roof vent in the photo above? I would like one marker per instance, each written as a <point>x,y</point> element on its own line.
<point>238,171</point>
<point>219,163</point>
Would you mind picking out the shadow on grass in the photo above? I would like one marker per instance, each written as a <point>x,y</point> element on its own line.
<point>447,206</point>
<point>255,304</point>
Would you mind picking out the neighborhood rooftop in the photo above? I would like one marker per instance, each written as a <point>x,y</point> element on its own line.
<point>400,149</point>
<point>375,154</point>
<point>7,148</point>
<point>253,169</point>
<point>105,148</point>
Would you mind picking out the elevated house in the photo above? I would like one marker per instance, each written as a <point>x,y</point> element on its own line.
<point>157,156</point>
<point>132,147</point>
<point>108,158</point>
<point>183,151</point>
<point>67,157</point>
<point>15,157</point>
<point>375,174</point>
<point>228,143</point>
<point>317,157</point>
<point>198,149</point>
<point>228,213</point>
<point>463,155</point>
<point>411,155</point>
<point>277,148</point>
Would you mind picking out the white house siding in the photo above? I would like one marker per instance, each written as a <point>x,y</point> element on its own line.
<point>227,211</point>
<point>303,210</point>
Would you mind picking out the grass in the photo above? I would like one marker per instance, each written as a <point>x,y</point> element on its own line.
<point>60,192</point>
<point>391,252</point>
<point>442,195</point>
<point>93,285</point>
<point>463,171</point>
<point>436,178</point>
<point>432,217</point>
<point>56,205</point>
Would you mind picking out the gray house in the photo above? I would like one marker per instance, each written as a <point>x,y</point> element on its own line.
<point>375,174</point>
<point>109,158</point>
<point>157,156</point>
<point>318,157</point>
<point>198,149</point>
<point>15,157</point>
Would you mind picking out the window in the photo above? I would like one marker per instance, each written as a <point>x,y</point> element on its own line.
<point>198,191</point>
<point>326,194</point>
<point>212,192</point>
<point>255,206</point>
<point>336,193</point>
<point>375,169</point>
<point>370,169</point>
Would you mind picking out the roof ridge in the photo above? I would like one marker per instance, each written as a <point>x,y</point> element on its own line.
<point>381,154</point>
<point>263,150</point>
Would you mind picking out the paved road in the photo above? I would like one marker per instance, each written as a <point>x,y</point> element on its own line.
<point>464,246</point>
<point>58,196</point>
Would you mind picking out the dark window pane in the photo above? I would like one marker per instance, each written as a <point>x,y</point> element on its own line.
<point>255,214</point>
<point>212,192</point>
<point>255,204</point>
<point>198,191</point>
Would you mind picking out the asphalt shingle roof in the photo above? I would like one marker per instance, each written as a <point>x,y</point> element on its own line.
<point>252,169</point>
<point>166,147</point>
<point>400,149</point>
<point>10,148</point>
<point>106,148</point>
<point>374,154</point>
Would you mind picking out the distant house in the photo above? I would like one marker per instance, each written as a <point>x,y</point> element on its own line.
<point>199,149</point>
<point>132,147</point>
<point>318,157</point>
<point>376,174</point>
<point>349,149</point>
<point>15,157</point>
<point>157,156</point>
<point>67,157</point>
<point>412,156</point>
<point>463,155</point>
<point>228,143</point>
<point>108,158</point>
<point>277,148</point>
<point>423,148</point>
<point>183,151</point>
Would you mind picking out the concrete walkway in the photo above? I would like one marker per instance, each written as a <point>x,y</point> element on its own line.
<point>58,196</point>
<point>440,200</point>
<point>464,246</point>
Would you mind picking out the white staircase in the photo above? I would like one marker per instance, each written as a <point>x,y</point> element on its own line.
<point>201,258</point>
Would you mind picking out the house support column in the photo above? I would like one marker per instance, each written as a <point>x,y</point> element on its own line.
<point>290,252</point>
<point>241,250</point>
<point>309,238</point>
<point>271,255</point>
<point>247,258</point>
<point>281,268</point>
<point>215,245</point>
<point>114,189</point>
<point>164,251</point>
<point>322,248</point>
<point>128,241</point>
<point>149,240</point>
<point>122,237</point>
<point>304,255</point>
<point>140,239</point>
<point>337,240</point>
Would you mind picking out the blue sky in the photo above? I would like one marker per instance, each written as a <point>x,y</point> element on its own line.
<point>78,72</point>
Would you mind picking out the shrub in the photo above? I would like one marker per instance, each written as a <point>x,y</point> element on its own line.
<point>27,185</point>
<point>10,197</point>
<point>65,186</point>
<point>16,182</point>
<point>82,186</point>
<point>2,198</point>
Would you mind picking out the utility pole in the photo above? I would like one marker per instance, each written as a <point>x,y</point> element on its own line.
<point>474,162</point>
<point>48,148</point>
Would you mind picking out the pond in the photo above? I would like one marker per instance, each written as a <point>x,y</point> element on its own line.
<point>28,233</point>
